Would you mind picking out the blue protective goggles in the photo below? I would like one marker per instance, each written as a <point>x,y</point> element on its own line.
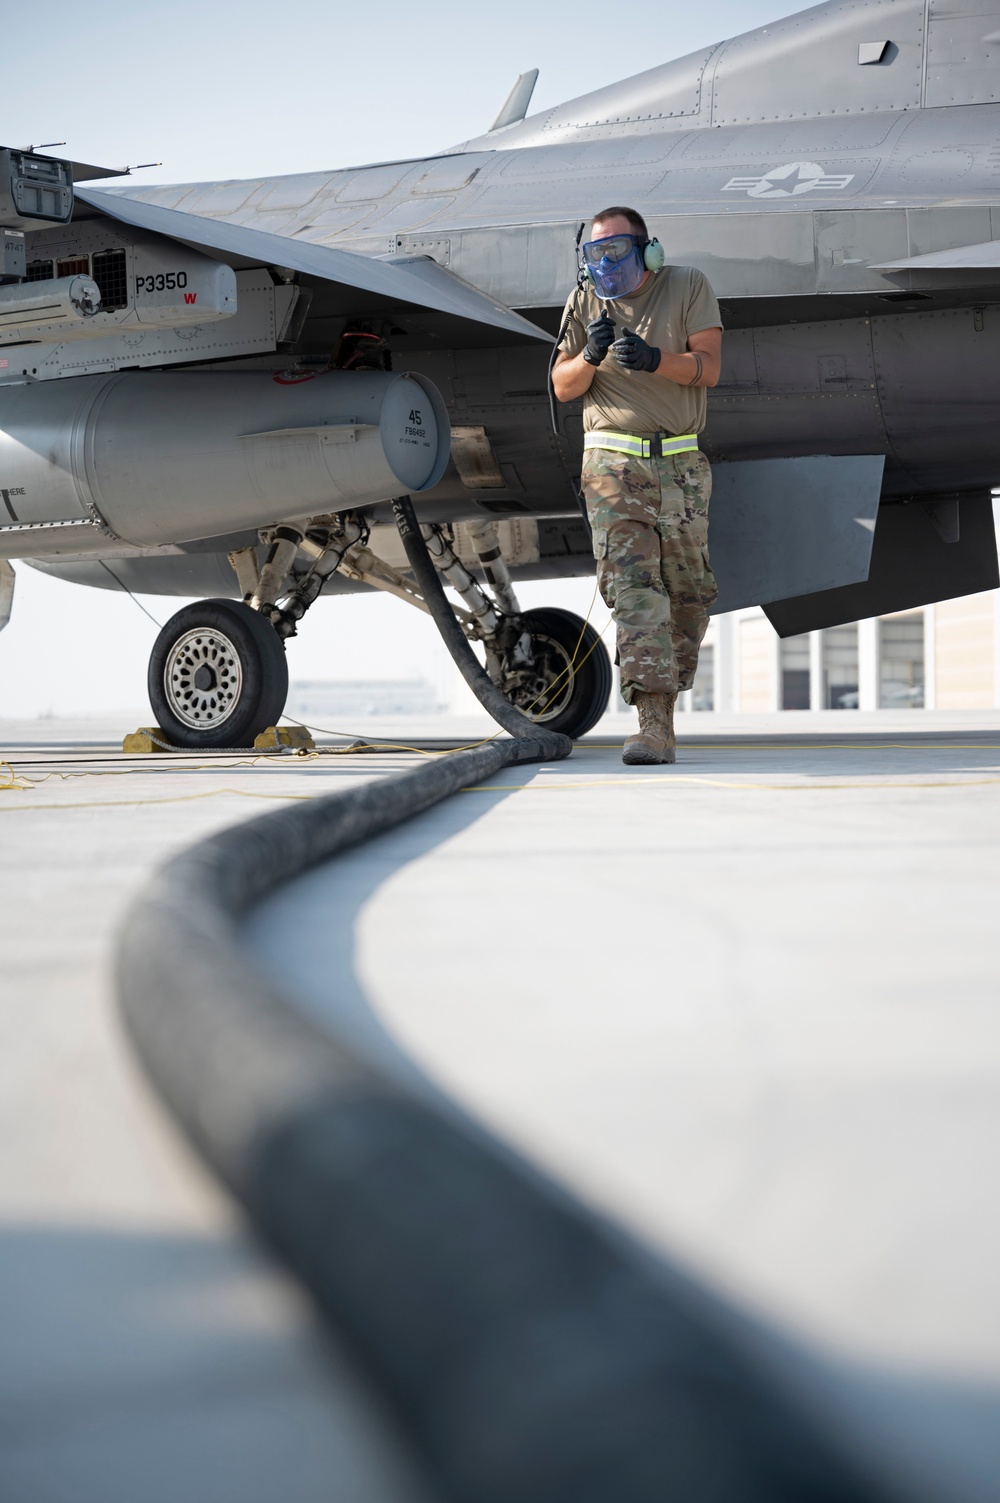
<point>615,264</point>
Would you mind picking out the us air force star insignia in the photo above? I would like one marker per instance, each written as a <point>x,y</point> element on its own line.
<point>789,181</point>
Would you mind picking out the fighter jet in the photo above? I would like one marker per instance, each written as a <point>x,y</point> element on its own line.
<point>216,389</point>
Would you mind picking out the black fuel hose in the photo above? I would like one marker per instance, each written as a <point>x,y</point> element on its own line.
<point>525,1351</point>
<point>428,582</point>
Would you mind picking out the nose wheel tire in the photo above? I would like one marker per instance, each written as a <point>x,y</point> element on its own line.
<point>217,675</point>
<point>568,684</point>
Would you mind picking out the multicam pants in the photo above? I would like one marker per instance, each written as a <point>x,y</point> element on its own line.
<point>650,523</point>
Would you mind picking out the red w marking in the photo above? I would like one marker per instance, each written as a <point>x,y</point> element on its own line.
<point>190,297</point>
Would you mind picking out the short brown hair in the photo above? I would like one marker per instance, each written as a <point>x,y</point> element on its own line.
<point>618,211</point>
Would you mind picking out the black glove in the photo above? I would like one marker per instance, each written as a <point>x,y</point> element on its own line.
<point>634,353</point>
<point>600,333</point>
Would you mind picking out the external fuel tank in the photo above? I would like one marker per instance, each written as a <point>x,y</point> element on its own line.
<point>166,457</point>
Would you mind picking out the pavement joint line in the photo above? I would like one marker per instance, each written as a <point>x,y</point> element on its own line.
<point>132,803</point>
<point>553,787</point>
<point>223,764</point>
<point>813,746</point>
<point>557,785</point>
<point>664,781</point>
<point>32,780</point>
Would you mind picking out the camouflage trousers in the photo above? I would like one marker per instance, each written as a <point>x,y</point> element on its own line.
<point>650,523</point>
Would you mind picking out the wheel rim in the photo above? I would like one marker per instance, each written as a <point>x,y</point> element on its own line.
<point>203,678</point>
<point>553,667</point>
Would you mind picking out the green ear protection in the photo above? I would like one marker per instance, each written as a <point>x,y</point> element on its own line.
<point>653,255</point>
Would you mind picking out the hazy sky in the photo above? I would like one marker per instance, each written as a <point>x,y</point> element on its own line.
<point>215,89</point>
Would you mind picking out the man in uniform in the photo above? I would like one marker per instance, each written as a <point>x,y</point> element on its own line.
<point>641,342</point>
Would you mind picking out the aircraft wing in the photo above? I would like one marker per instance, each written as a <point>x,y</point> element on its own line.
<point>962,267</point>
<point>386,283</point>
<point>959,258</point>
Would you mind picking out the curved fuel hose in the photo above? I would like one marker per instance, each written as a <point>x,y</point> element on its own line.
<point>526,1351</point>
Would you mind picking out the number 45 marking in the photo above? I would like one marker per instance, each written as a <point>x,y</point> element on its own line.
<point>415,417</point>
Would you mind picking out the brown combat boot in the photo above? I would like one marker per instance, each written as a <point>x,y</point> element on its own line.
<point>655,741</point>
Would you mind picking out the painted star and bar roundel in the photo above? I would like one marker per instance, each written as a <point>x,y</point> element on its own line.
<point>790,181</point>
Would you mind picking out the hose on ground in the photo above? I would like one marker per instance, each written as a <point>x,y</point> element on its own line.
<point>428,582</point>
<point>523,1349</point>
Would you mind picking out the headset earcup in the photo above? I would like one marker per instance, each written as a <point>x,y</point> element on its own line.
<point>653,256</point>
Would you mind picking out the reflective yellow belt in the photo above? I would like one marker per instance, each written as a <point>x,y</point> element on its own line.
<point>642,448</point>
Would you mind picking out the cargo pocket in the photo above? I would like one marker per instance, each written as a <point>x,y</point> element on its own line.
<point>709,588</point>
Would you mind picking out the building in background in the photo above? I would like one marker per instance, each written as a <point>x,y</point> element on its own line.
<point>941,657</point>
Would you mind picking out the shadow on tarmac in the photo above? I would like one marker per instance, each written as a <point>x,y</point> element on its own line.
<point>929,1439</point>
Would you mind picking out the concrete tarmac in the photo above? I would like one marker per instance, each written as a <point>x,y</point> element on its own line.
<point>149,1352</point>
<point>748,1007</point>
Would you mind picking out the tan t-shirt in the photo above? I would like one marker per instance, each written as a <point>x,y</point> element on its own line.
<point>672,305</point>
